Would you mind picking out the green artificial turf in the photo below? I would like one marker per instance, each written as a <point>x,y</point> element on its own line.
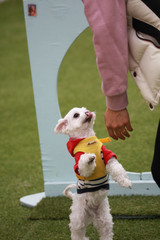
<point>57,208</point>
<point>136,217</point>
<point>20,160</point>
<point>129,213</point>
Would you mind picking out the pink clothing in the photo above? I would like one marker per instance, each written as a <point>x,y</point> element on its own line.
<point>107,20</point>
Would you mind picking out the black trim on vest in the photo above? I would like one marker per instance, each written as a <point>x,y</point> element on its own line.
<point>154,5</point>
<point>105,187</point>
<point>143,27</point>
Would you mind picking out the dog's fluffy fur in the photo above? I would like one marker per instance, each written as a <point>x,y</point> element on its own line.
<point>90,206</point>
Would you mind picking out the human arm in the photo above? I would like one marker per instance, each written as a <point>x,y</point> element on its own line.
<point>107,20</point>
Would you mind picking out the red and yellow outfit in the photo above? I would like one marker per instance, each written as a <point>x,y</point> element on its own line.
<point>99,178</point>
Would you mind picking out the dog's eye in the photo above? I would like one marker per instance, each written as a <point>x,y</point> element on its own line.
<point>76,115</point>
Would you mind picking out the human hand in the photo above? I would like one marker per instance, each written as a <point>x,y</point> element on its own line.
<point>118,123</point>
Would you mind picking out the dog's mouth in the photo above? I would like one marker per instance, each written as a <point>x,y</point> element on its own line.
<point>89,116</point>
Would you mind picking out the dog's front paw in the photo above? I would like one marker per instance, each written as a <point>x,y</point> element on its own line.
<point>87,164</point>
<point>91,158</point>
<point>126,182</point>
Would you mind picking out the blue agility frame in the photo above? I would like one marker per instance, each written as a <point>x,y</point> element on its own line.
<point>51,30</point>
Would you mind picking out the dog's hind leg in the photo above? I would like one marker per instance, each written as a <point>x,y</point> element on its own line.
<point>78,234</point>
<point>103,221</point>
<point>78,219</point>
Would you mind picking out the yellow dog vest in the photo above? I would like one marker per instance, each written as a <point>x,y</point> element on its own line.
<point>92,145</point>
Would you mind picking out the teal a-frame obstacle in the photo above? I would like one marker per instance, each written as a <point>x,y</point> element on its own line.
<point>52,26</point>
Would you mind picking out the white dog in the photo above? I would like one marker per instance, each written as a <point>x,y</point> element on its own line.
<point>93,164</point>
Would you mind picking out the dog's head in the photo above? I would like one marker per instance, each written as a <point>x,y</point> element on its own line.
<point>77,123</point>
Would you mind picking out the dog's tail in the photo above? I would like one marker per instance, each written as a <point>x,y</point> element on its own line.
<point>68,193</point>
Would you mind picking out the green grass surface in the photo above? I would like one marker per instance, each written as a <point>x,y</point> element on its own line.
<point>20,160</point>
<point>50,208</point>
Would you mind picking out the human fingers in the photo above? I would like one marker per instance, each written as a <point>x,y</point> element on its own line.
<point>122,133</point>
<point>112,133</point>
<point>125,133</point>
<point>118,133</point>
<point>129,127</point>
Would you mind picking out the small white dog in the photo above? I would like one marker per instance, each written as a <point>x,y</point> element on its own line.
<point>93,164</point>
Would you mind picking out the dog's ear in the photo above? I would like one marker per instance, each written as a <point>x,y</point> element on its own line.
<point>61,126</point>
